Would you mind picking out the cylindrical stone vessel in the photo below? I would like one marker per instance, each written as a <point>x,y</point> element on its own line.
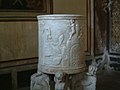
<point>61,43</point>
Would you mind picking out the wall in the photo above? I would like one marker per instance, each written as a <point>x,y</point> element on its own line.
<point>18,47</point>
<point>18,40</point>
<point>18,53</point>
<point>69,6</point>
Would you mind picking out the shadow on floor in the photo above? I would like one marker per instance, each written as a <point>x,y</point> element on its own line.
<point>108,81</point>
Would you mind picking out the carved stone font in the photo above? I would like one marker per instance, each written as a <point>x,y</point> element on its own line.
<point>61,44</point>
<point>61,52</point>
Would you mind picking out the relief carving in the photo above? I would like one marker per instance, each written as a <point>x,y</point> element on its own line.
<point>75,57</point>
<point>61,81</point>
<point>73,29</point>
<point>89,82</point>
<point>75,34</point>
<point>61,52</point>
<point>80,33</point>
<point>39,81</point>
<point>48,34</point>
<point>56,49</point>
<point>61,44</point>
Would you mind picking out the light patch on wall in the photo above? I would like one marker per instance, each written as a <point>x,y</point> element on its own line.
<point>69,6</point>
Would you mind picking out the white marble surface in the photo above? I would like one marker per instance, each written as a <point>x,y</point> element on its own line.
<point>61,43</point>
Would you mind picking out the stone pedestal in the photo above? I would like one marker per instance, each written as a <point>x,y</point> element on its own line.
<point>61,52</point>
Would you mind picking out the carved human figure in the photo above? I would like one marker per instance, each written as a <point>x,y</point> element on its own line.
<point>56,50</point>
<point>73,28</point>
<point>92,70</point>
<point>89,82</point>
<point>59,81</point>
<point>40,81</point>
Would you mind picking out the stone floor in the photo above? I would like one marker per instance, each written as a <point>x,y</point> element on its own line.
<point>108,81</point>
